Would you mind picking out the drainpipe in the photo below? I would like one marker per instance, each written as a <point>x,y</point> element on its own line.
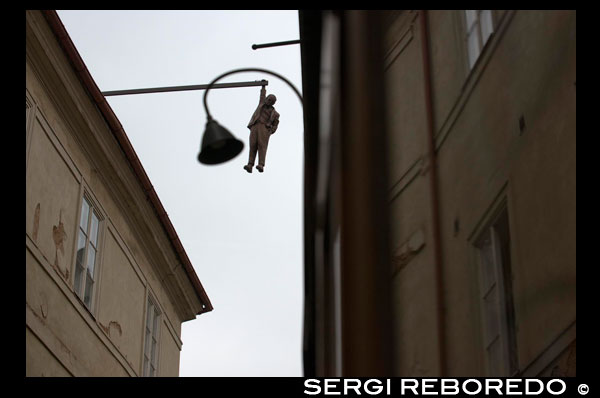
<point>437,247</point>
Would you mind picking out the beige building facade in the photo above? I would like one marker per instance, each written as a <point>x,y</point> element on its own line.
<point>440,192</point>
<point>108,283</point>
<point>481,113</point>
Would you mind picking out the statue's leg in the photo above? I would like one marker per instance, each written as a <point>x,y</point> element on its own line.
<point>263,142</point>
<point>253,145</point>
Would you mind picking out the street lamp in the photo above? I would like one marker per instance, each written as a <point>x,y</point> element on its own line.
<point>218,144</point>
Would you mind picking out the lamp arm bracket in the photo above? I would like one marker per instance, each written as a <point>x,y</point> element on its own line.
<point>231,72</point>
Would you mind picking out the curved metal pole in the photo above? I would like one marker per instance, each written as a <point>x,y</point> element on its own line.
<point>208,115</point>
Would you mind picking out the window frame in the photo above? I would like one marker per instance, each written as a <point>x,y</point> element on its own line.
<point>502,273</point>
<point>476,29</point>
<point>30,115</point>
<point>151,304</point>
<point>80,288</point>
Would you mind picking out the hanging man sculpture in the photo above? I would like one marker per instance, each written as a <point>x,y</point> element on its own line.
<point>263,123</point>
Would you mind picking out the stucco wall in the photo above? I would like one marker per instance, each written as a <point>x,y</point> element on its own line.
<point>527,70</point>
<point>70,149</point>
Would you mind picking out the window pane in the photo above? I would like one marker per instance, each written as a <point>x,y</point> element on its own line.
<point>91,261</point>
<point>94,230</point>
<point>146,362</point>
<point>155,325</point>
<point>471,18</point>
<point>485,20</point>
<point>85,212</point>
<point>147,344</point>
<point>78,274</point>
<point>150,314</point>
<point>488,270</point>
<point>473,47</point>
<point>80,248</point>
<point>491,314</point>
<point>89,288</point>
<point>153,353</point>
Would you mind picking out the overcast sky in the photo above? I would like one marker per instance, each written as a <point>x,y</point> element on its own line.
<point>242,232</point>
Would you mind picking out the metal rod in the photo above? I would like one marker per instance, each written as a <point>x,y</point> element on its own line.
<point>279,43</point>
<point>212,84</point>
<point>185,88</point>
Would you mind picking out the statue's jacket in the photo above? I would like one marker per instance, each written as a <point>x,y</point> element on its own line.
<point>273,121</point>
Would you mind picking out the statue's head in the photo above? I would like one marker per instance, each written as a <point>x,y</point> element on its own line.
<point>271,99</point>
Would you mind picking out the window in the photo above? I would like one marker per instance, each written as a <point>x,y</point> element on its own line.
<point>27,112</point>
<point>151,339</point>
<point>479,29</point>
<point>87,253</point>
<point>499,338</point>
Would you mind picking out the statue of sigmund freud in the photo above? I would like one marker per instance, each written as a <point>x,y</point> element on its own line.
<point>263,123</point>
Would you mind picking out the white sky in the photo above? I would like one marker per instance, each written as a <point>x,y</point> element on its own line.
<point>242,232</point>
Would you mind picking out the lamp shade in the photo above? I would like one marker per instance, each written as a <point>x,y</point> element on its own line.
<point>218,144</point>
